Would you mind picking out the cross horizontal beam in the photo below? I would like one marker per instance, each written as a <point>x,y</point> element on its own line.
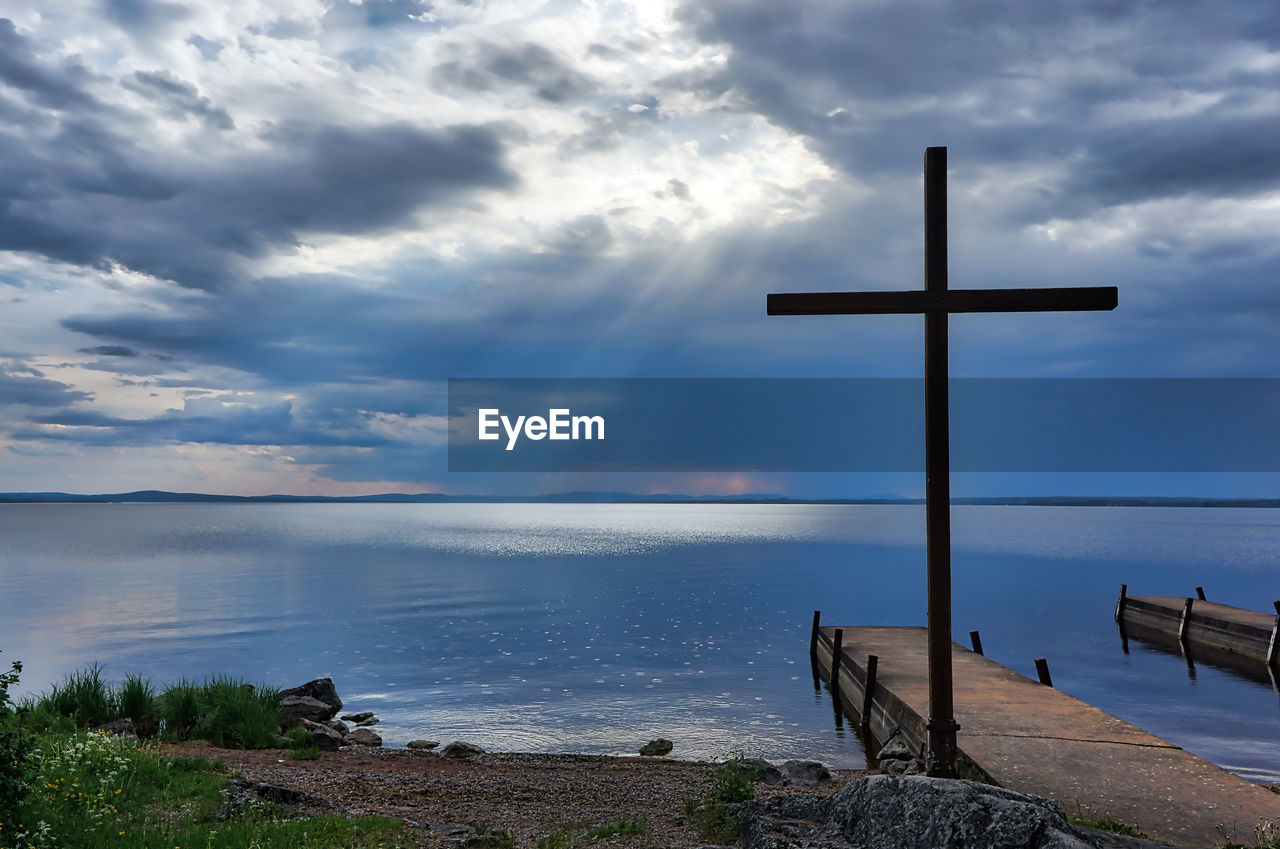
<point>949,301</point>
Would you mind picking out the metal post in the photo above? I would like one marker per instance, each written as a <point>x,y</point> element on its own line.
<point>1200,593</point>
<point>869,689</point>
<point>975,639</point>
<point>1042,669</point>
<point>941,724</point>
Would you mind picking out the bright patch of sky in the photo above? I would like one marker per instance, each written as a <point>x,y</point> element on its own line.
<point>243,244</point>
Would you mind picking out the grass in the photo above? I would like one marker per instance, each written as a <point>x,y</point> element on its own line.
<point>300,748</point>
<point>1104,823</point>
<point>580,832</point>
<point>225,711</point>
<point>84,698</point>
<point>239,715</point>
<point>88,790</point>
<point>717,814</point>
<point>1266,835</point>
<point>486,839</point>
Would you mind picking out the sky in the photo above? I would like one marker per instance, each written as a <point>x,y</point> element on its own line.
<point>243,245</point>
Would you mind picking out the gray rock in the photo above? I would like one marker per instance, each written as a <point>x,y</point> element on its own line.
<point>805,773</point>
<point>896,748</point>
<point>459,749</point>
<point>761,771</point>
<point>363,737</point>
<point>357,717</point>
<point>911,812</point>
<point>915,766</point>
<point>240,795</point>
<point>657,748</point>
<point>339,726</point>
<point>423,744</point>
<point>450,830</point>
<point>322,736</point>
<point>320,689</point>
<point>121,729</point>
<point>373,720</point>
<point>305,707</point>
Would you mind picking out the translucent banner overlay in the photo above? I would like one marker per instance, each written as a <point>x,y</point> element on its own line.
<point>862,425</point>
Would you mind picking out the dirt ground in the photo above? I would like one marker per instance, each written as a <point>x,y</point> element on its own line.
<point>532,795</point>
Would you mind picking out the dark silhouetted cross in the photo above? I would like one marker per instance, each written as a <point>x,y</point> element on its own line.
<point>936,301</point>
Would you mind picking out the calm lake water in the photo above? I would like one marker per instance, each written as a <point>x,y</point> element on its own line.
<point>593,628</point>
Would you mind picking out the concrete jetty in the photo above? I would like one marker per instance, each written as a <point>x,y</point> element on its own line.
<point>1026,736</point>
<point>1200,622</point>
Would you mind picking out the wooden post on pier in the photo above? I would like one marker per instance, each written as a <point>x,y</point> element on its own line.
<point>868,689</point>
<point>1200,593</point>
<point>936,301</point>
<point>1124,589</point>
<point>975,639</point>
<point>1042,669</point>
<point>813,635</point>
<point>1186,617</point>
<point>836,640</point>
<point>1275,633</point>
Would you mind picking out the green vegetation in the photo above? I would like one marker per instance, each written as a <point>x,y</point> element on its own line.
<point>225,711</point>
<point>485,839</point>
<point>718,813</point>
<point>1266,835</point>
<point>62,787</point>
<point>582,832</point>
<point>300,747</point>
<point>1104,823</point>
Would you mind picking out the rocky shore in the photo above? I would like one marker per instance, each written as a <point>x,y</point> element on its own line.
<point>459,795</point>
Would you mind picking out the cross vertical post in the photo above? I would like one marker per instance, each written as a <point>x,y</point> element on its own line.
<point>937,302</point>
<point>941,723</point>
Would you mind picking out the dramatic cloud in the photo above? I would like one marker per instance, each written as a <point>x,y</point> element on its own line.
<point>253,241</point>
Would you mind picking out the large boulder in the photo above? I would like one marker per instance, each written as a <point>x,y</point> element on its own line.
<point>461,749</point>
<point>363,737</point>
<point>805,773</point>
<point>912,812</point>
<point>305,707</point>
<point>321,690</point>
<point>657,748</point>
<point>322,736</point>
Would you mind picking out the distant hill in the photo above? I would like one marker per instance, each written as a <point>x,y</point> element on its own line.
<point>153,496</point>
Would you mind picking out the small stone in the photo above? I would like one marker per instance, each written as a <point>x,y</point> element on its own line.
<point>357,717</point>
<point>373,720</point>
<point>339,726</point>
<point>121,729</point>
<point>460,749</point>
<point>363,737</point>
<point>423,744</point>
<point>657,748</point>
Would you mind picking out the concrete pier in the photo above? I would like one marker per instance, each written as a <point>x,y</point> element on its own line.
<point>1029,737</point>
<point>1199,622</point>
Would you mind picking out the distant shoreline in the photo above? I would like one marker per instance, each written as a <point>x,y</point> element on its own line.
<point>162,497</point>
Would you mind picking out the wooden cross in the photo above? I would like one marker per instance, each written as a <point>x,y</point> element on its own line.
<point>936,301</point>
